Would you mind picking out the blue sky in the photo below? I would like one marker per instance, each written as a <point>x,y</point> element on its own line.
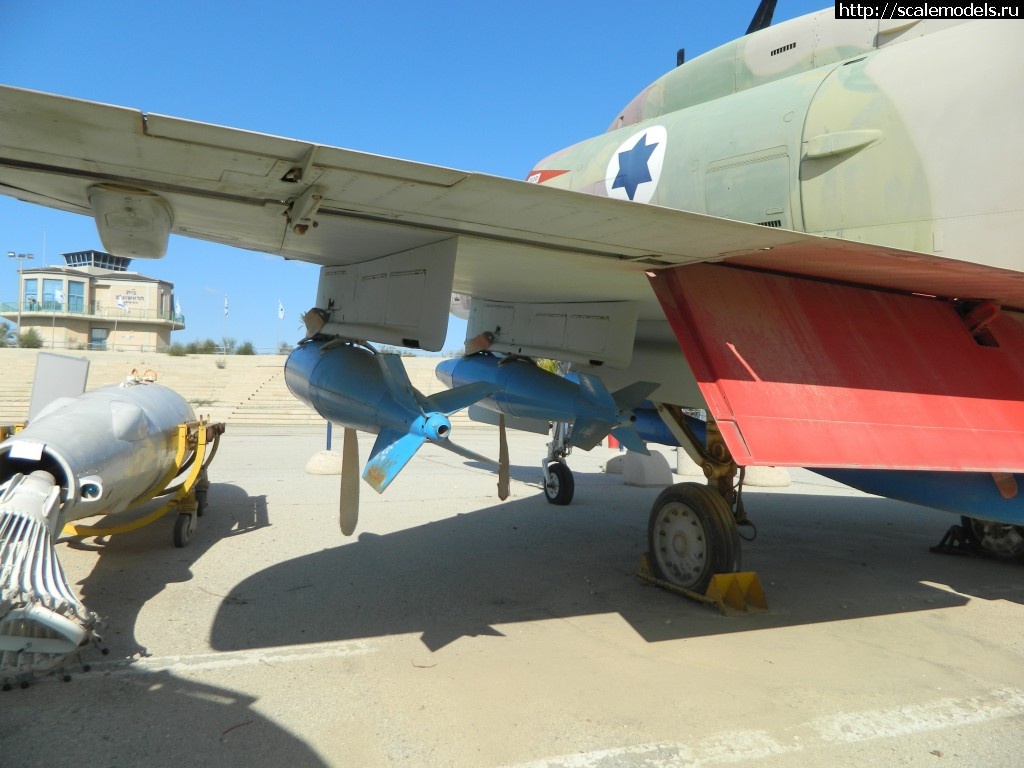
<point>476,86</point>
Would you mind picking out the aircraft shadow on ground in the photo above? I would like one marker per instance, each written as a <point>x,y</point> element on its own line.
<point>136,566</point>
<point>522,473</point>
<point>821,558</point>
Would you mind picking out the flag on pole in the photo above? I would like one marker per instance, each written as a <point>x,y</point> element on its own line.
<point>280,310</point>
<point>59,296</point>
<point>120,302</point>
<point>225,306</point>
<point>177,307</point>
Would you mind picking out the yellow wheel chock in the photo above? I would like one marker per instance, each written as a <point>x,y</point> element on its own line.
<point>197,445</point>
<point>731,593</point>
<point>737,592</point>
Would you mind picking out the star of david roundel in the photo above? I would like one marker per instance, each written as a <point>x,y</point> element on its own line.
<point>635,167</point>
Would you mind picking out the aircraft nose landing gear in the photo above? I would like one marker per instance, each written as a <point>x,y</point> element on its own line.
<point>559,485</point>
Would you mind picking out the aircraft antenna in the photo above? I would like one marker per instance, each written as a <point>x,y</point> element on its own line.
<point>762,16</point>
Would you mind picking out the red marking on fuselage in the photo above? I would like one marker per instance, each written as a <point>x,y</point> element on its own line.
<point>539,177</point>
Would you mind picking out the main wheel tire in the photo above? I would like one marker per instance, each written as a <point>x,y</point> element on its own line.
<point>692,535</point>
<point>559,486</point>
<point>999,541</point>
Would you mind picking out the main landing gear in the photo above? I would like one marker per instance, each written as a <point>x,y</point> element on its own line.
<point>691,536</point>
<point>693,532</point>
<point>999,541</point>
<point>996,540</point>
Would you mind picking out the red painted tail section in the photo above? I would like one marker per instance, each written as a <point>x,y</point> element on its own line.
<point>806,373</point>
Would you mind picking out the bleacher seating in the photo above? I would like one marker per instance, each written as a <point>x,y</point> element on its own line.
<point>248,389</point>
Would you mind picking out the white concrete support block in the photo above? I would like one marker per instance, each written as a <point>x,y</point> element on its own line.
<point>324,463</point>
<point>767,477</point>
<point>687,466</point>
<point>646,471</point>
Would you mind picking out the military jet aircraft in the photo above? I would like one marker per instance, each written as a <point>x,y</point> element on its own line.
<point>807,234</point>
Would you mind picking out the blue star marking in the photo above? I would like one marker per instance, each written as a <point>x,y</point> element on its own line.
<point>633,170</point>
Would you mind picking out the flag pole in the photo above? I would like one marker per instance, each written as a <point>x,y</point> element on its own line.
<point>224,335</point>
<point>280,317</point>
<point>58,298</point>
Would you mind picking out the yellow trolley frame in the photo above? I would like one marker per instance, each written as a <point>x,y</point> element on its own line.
<point>197,445</point>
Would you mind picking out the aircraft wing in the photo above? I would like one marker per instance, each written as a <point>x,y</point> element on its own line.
<point>829,394</point>
<point>334,206</point>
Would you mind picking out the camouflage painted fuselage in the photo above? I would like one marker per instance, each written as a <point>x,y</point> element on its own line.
<point>904,135</point>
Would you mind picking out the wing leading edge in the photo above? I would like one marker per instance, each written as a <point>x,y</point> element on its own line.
<point>334,206</point>
<point>880,383</point>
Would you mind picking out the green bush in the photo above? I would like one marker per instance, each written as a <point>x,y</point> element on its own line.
<point>177,350</point>
<point>207,347</point>
<point>246,348</point>
<point>30,339</point>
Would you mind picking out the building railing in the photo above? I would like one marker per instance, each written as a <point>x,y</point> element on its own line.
<point>69,308</point>
<point>177,349</point>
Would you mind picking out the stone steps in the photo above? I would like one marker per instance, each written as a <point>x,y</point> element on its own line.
<point>246,390</point>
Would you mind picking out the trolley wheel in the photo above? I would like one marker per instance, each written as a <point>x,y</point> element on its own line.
<point>184,527</point>
<point>559,486</point>
<point>692,535</point>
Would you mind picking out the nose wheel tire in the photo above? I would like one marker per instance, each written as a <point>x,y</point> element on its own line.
<point>559,485</point>
<point>692,535</point>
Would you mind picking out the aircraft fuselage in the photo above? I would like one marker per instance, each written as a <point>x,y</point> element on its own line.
<point>897,135</point>
<point>860,130</point>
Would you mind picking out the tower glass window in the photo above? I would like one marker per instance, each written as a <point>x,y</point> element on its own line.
<point>31,294</point>
<point>76,296</point>
<point>51,289</point>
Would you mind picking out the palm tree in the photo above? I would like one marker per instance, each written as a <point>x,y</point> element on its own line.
<point>8,338</point>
